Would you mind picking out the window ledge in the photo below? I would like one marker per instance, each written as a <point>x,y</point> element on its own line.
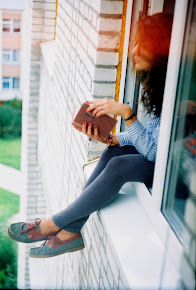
<point>138,247</point>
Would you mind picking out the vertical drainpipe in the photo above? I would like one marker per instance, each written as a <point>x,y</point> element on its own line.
<point>120,50</point>
<point>55,19</point>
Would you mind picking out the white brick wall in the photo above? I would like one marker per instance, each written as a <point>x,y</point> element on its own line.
<point>57,152</point>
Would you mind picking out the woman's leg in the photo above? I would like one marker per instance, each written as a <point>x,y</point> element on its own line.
<point>103,189</point>
<point>106,156</point>
<point>48,225</point>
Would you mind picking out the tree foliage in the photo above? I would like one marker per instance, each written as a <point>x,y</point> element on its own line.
<point>11,119</point>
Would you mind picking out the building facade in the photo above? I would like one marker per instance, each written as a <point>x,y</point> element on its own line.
<point>75,51</point>
<point>10,50</point>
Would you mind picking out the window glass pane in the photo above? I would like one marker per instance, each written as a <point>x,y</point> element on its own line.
<point>16,26</point>
<point>16,55</point>
<point>5,83</point>
<point>15,83</point>
<point>6,27</point>
<point>179,192</point>
<point>6,55</point>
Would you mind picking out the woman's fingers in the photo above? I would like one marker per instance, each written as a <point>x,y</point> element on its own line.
<point>96,105</point>
<point>89,130</point>
<point>96,133</point>
<point>98,111</point>
<point>84,128</point>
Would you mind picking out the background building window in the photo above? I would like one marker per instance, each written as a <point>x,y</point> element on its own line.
<point>6,55</point>
<point>9,55</point>
<point>15,83</point>
<point>6,83</point>
<point>6,25</point>
<point>16,26</point>
<point>16,55</point>
<point>9,83</point>
<point>178,191</point>
<point>11,26</point>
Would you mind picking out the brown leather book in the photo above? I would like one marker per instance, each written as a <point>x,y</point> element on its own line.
<point>104,123</point>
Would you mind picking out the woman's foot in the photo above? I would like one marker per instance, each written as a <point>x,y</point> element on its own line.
<point>54,246</point>
<point>32,232</point>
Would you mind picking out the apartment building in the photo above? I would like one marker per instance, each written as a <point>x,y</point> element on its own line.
<point>10,49</point>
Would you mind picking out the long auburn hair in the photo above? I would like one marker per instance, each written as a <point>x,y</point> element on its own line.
<point>153,34</point>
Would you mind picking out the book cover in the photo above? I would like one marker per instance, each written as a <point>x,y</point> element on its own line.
<point>104,123</point>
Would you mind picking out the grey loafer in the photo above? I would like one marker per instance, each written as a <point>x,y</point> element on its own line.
<point>27,232</point>
<point>53,246</point>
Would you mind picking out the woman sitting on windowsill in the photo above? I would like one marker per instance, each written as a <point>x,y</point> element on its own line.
<point>131,156</point>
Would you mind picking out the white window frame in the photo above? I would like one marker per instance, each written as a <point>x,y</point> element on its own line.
<point>163,226</point>
<point>152,203</point>
<point>11,60</point>
<point>11,23</point>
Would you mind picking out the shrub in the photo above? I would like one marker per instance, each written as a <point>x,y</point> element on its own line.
<point>11,119</point>
<point>8,261</point>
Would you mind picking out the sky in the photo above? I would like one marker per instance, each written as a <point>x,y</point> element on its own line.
<point>12,4</point>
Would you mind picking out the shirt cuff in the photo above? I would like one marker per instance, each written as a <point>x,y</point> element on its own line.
<point>123,139</point>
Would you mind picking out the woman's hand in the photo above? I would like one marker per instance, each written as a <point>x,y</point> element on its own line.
<point>87,130</point>
<point>107,106</point>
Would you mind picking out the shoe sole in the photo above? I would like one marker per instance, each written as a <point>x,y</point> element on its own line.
<point>33,241</point>
<point>57,254</point>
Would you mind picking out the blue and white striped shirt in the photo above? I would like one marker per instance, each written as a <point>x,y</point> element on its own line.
<point>144,139</point>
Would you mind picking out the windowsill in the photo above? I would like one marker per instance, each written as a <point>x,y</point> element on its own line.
<point>139,249</point>
<point>11,63</point>
<point>10,89</point>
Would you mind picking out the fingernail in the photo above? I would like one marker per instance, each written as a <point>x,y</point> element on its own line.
<point>89,124</point>
<point>86,110</point>
<point>84,123</point>
<point>95,127</point>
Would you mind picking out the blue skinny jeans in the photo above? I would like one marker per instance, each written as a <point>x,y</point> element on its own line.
<point>117,165</point>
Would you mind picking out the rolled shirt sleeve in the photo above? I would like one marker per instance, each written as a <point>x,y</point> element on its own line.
<point>144,139</point>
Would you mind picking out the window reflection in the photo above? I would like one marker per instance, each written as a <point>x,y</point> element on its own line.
<point>179,191</point>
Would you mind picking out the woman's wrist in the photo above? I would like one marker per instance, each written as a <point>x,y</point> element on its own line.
<point>112,140</point>
<point>126,112</point>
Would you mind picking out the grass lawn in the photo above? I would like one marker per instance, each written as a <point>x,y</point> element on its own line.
<point>9,204</point>
<point>10,150</point>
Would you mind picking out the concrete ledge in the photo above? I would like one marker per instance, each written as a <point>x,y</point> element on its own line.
<point>138,247</point>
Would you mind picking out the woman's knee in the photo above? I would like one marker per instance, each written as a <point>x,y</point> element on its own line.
<point>110,152</point>
<point>113,165</point>
<point>106,154</point>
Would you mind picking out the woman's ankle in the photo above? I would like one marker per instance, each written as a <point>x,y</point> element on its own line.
<point>47,226</point>
<point>64,235</point>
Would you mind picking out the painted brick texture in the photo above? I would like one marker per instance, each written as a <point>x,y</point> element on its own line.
<point>63,150</point>
<point>83,66</point>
